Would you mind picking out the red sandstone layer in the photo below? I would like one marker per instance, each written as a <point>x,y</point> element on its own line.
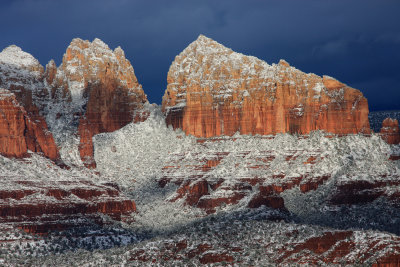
<point>214,91</point>
<point>41,206</point>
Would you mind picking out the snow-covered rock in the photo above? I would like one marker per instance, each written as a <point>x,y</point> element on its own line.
<point>22,125</point>
<point>214,91</point>
<point>94,90</point>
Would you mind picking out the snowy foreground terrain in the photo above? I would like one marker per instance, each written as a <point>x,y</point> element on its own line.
<point>166,231</point>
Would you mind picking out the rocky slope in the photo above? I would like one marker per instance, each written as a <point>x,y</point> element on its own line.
<point>42,206</point>
<point>212,196</point>
<point>214,91</point>
<point>40,197</point>
<point>95,87</point>
<point>230,246</point>
<point>227,173</point>
<point>22,125</point>
<point>94,90</point>
<point>239,240</point>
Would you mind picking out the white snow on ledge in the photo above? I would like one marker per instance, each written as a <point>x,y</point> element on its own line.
<point>140,151</point>
<point>318,87</point>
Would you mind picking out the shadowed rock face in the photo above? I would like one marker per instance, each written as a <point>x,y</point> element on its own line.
<point>214,91</point>
<point>100,88</point>
<point>41,206</point>
<point>22,126</point>
<point>390,131</point>
<point>327,247</point>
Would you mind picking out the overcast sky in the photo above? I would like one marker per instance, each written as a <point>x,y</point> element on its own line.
<point>357,42</point>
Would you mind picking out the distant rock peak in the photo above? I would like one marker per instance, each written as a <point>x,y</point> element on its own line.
<point>16,57</point>
<point>100,43</point>
<point>284,63</point>
<point>205,45</point>
<point>390,131</point>
<point>13,49</point>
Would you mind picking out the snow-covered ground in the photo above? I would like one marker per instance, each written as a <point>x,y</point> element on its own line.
<point>137,153</point>
<point>135,157</point>
<point>247,239</point>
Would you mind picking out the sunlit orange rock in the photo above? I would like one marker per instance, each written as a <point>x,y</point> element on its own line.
<point>390,131</point>
<point>22,126</point>
<point>214,91</point>
<point>101,89</point>
<point>20,132</point>
<point>12,126</point>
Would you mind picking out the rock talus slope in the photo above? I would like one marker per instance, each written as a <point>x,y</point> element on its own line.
<point>22,126</point>
<point>96,89</point>
<point>214,91</point>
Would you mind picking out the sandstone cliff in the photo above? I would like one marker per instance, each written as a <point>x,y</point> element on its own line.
<point>214,91</point>
<point>20,132</point>
<point>22,126</point>
<point>390,131</point>
<point>94,90</point>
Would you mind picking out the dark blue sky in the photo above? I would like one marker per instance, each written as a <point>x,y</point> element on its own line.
<point>357,42</point>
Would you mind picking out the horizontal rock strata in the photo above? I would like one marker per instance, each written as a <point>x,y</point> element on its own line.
<point>214,91</point>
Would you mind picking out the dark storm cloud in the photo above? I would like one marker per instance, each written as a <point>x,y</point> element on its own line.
<point>355,41</point>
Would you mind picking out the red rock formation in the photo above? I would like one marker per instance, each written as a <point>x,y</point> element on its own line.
<point>271,201</point>
<point>211,257</point>
<point>20,132</point>
<point>39,207</point>
<point>356,192</point>
<point>101,90</point>
<point>390,131</point>
<point>315,248</point>
<point>23,128</point>
<point>209,204</point>
<point>334,247</point>
<point>214,91</point>
<point>320,245</point>
<point>192,192</point>
<point>199,189</point>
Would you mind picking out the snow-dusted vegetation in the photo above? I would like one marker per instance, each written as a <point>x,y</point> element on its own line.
<point>248,238</point>
<point>171,233</point>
